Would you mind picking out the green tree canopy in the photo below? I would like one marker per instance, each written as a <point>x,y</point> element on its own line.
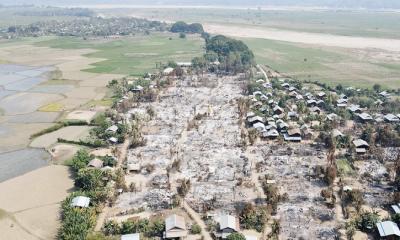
<point>182,27</point>
<point>236,236</point>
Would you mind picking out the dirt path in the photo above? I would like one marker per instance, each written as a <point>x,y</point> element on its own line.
<point>122,153</point>
<point>263,72</point>
<point>197,218</point>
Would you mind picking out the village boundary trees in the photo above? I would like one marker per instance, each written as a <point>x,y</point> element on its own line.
<point>182,27</point>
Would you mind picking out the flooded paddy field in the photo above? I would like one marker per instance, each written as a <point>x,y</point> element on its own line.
<point>52,88</point>
<point>20,117</point>
<point>35,117</point>
<point>25,102</point>
<point>16,163</point>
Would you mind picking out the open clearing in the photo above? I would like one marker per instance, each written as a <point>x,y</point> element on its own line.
<point>31,203</point>
<point>345,22</point>
<point>331,65</point>
<point>63,152</point>
<point>358,48</point>
<point>86,116</point>
<point>304,37</point>
<point>71,133</point>
<point>133,55</point>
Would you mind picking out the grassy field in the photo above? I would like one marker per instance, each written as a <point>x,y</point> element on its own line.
<point>134,55</point>
<point>348,23</point>
<point>324,64</point>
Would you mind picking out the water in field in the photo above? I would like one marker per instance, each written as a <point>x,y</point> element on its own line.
<point>61,88</point>
<point>21,95</point>
<point>13,164</point>
<point>35,117</point>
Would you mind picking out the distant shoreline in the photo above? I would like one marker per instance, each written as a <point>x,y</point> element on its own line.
<point>263,8</point>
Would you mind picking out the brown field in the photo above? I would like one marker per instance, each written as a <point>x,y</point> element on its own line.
<point>31,203</point>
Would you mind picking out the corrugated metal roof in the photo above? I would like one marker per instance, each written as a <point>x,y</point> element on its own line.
<point>396,208</point>
<point>80,201</point>
<point>175,221</point>
<point>388,228</point>
<point>360,143</point>
<point>227,221</point>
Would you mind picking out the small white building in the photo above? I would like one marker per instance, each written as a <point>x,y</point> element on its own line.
<point>365,117</point>
<point>388,230</point>
<point>259,126</point>
<point>113,129</point>
<point>361,146</point>
<point>175,227</point>
<point>255,119</point>
<point>168,71</point>
<point>80,201</point>
<point>228,224</point>
<point>391,118</point>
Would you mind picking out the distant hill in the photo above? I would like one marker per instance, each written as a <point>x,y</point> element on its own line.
<point>369,4</point>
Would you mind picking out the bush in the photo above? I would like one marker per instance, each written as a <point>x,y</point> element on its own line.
<point>236,236</point>
<point>80,160</point>
<point>195,229</point>
<point>366,221</point>
<point>182,27</point>
<point>77,223</point>
<point>94,143</point>
<point>89,179</point>
<point>252,217</point>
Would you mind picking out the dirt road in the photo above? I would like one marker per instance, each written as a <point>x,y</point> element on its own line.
<point>196,217</point>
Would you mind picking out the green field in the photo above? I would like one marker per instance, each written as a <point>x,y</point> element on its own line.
<point>133,55</point>
<point>348,23</point>
<point>324,64</point>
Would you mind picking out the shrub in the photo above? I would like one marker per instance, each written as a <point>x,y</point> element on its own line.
<point>252,217</point>
<point>195,229</point>
<point>236,236</point>
<point>111,228</point>
<point>77,223</point>
<point>89,179</point>
<point>367,220</point>
<point>80,160</point>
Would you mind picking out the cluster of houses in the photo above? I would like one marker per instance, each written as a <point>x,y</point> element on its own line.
<point>277,123</point>
<point>272,120</point>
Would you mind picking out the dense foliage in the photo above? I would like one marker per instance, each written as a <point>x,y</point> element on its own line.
<point>182,27</point>
<point>78,222</point>
<point>236,236</point>
<point>252,217</point>
<point>153,228</point>
<point>232,55</point>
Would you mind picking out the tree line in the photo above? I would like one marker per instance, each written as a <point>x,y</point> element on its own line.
<point>225,54</point>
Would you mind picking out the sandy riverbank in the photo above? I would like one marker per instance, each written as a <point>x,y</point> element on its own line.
<point>305,37</point>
